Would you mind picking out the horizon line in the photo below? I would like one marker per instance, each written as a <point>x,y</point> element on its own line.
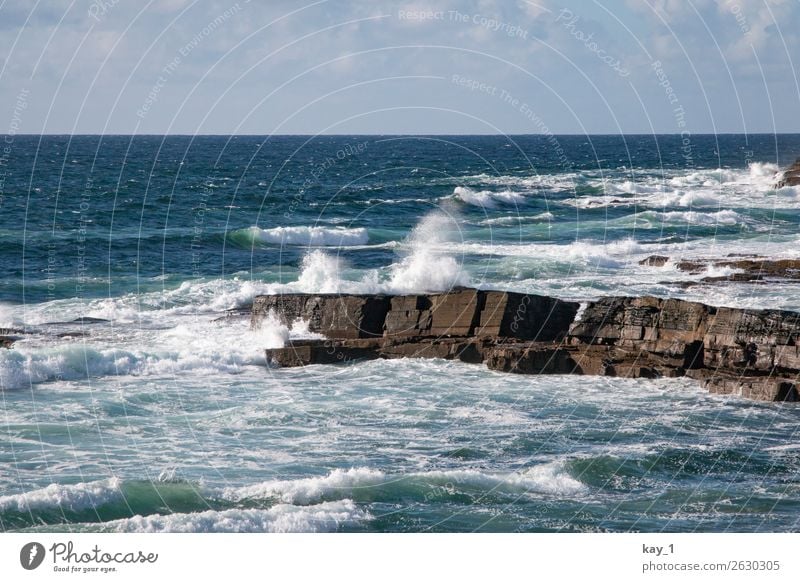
<point>650,134</point>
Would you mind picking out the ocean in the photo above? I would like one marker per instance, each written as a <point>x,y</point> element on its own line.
<point>137,401</point>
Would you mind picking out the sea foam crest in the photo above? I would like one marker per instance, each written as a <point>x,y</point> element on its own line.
<point>547,478</point>
<point>283,518</point>
<point>486,198</point>
<point>301,235</point>
<point>69,497</point>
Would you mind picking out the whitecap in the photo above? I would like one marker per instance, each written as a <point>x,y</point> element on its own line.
<point>325,517</point>
<point>486,198</point>
<point>68,497</point>
<point>302,235</point>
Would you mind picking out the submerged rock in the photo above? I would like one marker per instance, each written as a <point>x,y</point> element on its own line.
<point>654,261</point>
<point>81,321</point>
<point>8,336</point>
<point>750,353</point>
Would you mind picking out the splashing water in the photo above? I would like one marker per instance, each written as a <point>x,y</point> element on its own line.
<point>426,268</point>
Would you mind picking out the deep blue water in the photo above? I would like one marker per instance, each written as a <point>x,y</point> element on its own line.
<point>154,206</point>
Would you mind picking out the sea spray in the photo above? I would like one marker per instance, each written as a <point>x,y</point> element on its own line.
<point>321,273</point>
<point>427,268</point>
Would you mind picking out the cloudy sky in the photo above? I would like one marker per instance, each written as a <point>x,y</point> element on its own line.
<point>374,66</point>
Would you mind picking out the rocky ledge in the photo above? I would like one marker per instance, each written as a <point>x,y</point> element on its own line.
<point>790,176</point>
<point>747,269</point>
<point>749,353</point>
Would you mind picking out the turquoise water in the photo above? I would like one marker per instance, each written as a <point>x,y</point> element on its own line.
<point>159,418</point>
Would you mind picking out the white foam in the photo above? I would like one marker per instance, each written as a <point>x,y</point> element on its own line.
<point>321,273</point>
<point>690,199</point>
<point>721,217</point>
<point>429,266</point>
<point>7,318</point>
<point>325,517</point>
<point>594,253</point>
<point>762,172</point>
<point>554,182</point>
<point>486,198</point>
<point>68,497</point>
<point>193,346</point>
<point>547,478</point>
<point>337,484</point>
<point>425,264</point>
<point>515,220</point>
<point>304,235</point>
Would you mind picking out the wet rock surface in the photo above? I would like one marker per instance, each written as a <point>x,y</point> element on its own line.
<point>8,336</point>
<point>749,269</point>
<point>749,353</point>
<point>790,176</point>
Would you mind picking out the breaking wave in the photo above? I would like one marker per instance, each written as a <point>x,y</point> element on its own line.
<point>318,236</point>
<point>486,198</point>
<point>325,517</point>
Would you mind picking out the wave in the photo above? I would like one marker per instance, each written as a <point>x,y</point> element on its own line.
<point>364,484</point>
<point>74,498</point>
<point>655,187</point>
<point>195,347</point>
<point>516,220</point>
<point>325,517</point>
<point>425,265</point>
<point>562,182</point>
<point>310,504</point>
<point>597,253</point>
<point>319,236</point>
<point>486,198</point>
<point>720,218</point>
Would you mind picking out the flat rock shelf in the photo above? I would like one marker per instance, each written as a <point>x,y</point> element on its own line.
<point>750,353</point>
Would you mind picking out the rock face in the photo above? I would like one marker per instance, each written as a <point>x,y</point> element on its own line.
<point>460,313</point>
<point>750,353</point>
<point>790,176</point>
<point>335,316</point>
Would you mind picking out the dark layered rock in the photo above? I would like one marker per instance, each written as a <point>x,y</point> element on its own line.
<point>654,261</point>
<point>749,353</point>
<point>790,176</point>
<point>750,269</point>
<point>524,316</point>
<point>335,316</point>
<point>235,314</point>
<point>8,336</point>
<point>535,358</point>
<point>306,352</point>
<point>461,312</point>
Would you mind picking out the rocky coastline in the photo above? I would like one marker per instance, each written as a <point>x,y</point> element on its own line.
<point>749,353</point>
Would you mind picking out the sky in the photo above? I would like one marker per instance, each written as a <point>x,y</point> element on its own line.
<point>417,67</point>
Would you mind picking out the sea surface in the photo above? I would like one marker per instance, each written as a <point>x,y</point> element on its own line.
<point>129,405</point>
